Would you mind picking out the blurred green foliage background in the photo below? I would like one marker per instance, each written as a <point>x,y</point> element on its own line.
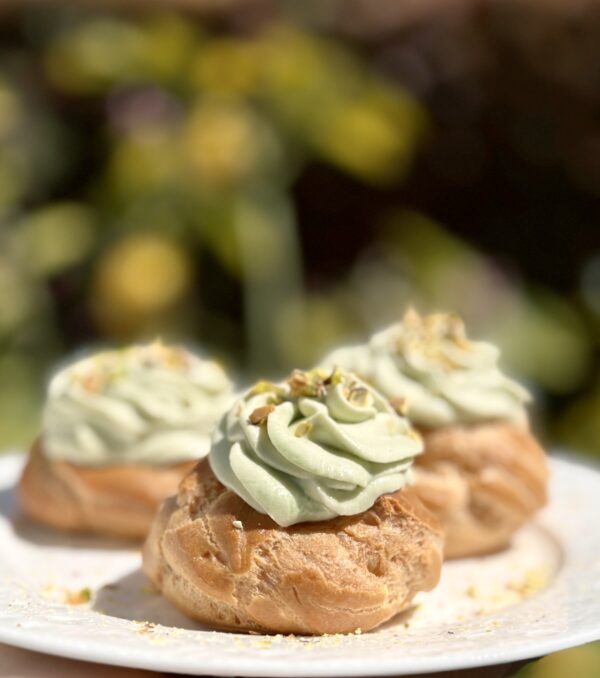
<point>267,185</point>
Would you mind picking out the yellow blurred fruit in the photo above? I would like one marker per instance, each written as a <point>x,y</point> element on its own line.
<point>349,117</point>
<point>138,280</point>
<point>373,137</point>
<point>360,140</point>
<point>219,144</point>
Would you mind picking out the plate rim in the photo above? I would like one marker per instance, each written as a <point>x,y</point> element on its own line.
<point>273,667</point>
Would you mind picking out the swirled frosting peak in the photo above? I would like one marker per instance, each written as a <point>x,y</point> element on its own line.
<point>442,376</point>
<point>320,445</point>
<point>150,404</point>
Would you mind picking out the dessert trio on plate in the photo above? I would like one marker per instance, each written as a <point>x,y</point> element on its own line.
<point>321,504</point>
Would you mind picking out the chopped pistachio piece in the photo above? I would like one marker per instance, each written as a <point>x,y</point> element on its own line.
<point>303,429</point>
<point>260,415</point>
<point>78,597</point>
<point>361,396</point>
<point>400,405</point>
<point>266,387</point>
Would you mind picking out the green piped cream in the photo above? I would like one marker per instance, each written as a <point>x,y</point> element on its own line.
<point>440,375</point>
<point>149,404</point>
<point>317,446</point>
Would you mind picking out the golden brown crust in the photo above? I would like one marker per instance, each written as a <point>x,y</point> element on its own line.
<point>483,481</point>
<point>117,500</point>
<point>325,577</point>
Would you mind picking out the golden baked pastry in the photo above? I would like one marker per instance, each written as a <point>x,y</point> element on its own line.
<point>117,500</point>
<point>223,563</point>
<point>482,472</point>
<point>299,521</point>
<point>120,430</point>
<point>483,481</point>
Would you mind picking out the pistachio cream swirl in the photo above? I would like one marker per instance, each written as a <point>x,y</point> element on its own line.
<point>150,404</point>
<point>428,366</point>
<point>320,445</point>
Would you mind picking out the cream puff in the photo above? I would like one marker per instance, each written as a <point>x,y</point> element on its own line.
<point>300,520</point>
<point>482,473</point>
<point>120,429</point>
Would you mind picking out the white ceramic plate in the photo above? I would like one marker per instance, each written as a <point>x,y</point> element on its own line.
<point>540,596</point>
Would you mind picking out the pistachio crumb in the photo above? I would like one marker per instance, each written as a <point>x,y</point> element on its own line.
<point>93,383</point>
<point>307,384</point>
<point>303,429</point>
<point>334,378</point>
<point>360,396</point>
<point>78,597</point>
<point>265,387</point>
<point>260,415</point>
<point>400,405</point>
<point>145,627</point>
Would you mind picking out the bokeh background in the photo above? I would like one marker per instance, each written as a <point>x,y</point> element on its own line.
<point>265,180</point>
